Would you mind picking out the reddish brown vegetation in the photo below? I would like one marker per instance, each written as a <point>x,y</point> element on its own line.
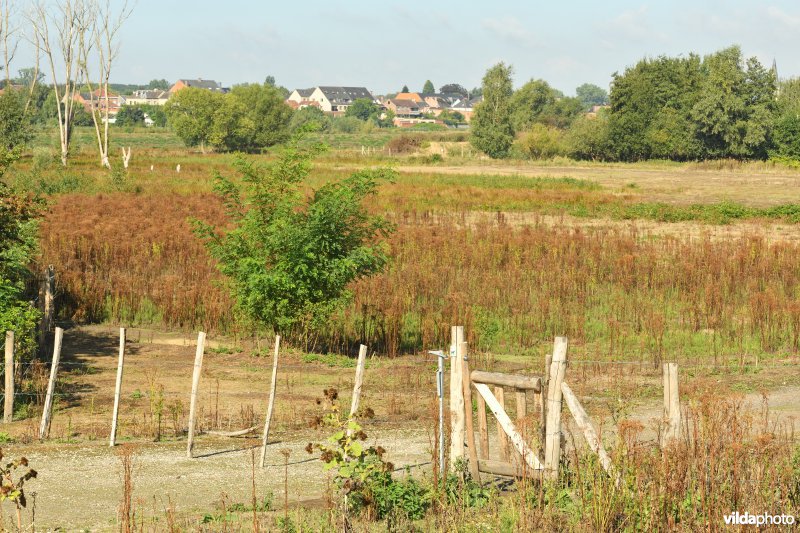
<point>119,255</point>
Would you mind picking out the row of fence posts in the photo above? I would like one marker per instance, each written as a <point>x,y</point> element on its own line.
<point>44,427</point>
<point>460,401</point>
<point>11,364</point>
<point>552,390</point>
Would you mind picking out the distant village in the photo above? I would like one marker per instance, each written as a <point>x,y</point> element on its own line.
<point>407,108</point>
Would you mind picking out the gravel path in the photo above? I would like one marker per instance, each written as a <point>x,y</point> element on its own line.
<point>79,486</point>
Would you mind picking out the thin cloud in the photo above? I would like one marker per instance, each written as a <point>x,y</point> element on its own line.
<point>783,18</point>
<point>631,25</point>
<point>510,29</point>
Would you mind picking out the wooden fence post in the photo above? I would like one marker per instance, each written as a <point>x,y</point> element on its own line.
<point>672,406</point>
<point>8,406</point>
<point>44,428</point>
<point>46,293</point>
<point>585,425</point>
<point>118,388</point>
<point>461,354</point>
<point>271,405</point>
<point>502,440</point>
<point>457,432</point>
<point>558,367</point>
<point>356,400</point>
<point>359,382</point>
<point>548,359</point>
<point>483,428</point>
<point>198,367</point>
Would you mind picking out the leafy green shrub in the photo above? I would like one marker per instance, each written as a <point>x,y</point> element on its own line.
<point>541,142</point>
<point>290,257</point>
<point>407,497</point>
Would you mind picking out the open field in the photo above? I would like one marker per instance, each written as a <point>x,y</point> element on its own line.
<point>636,264</point>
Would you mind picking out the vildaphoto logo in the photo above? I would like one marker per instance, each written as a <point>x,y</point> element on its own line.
<point>764,519</point>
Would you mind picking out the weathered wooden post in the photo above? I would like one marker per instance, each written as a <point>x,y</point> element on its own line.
<point>558,367</point>
<point>356,400</point>
<point>461,355</point>
<point>483,428</point>
<point>502,439</point>
<point>359,382</point>
<point>46,293</point>
<point>8,404</point>
<point>44,428</point>
<point>672,406</point>
<point>548,359</point>
<point>585,425</point>
<point>457,432</point>
<point>118,388</point>
<point>271,405</point>
<point>198,367</point>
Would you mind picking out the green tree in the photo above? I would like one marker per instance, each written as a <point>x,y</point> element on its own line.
<point>15,125</point>
<point>454,88</point>
<point>528,102</point>
<point>190,112</point>
<point>561,112</point>
<point>452,118</point>
<point>404,89</point>
<point>130,115</point>
<point>233,128</point>
<point>290,257</point>
<point>541,142</point>
<point>262,112</point>
<point>786,138</point>
<point>310,118</point>
<point>786,129</point>
<point>737,106</point>
<point>161,84</point>
<point>651,108</point>
<point>362,109</point>
<point>18,238</point>
<point>428,88</point>
<point>156,113</point>
<point>591,95</point>
<point>492,131</point>
<point>588,138</point>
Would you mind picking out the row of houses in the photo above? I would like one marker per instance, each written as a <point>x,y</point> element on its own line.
<point>408,108</point>
<point>97,100</point>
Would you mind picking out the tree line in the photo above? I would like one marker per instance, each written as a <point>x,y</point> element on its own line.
<point>679,108</point>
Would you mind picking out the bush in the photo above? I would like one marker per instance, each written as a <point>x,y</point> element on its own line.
<point>406,497</point>
<point>289,257</point>
<point>404,144</point>
<point>541,142</point>
<point>588,138</point>
<point>346,125</point>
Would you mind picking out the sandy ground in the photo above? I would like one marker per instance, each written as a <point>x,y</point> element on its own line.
<point>79,486</point>
<point>683,184</point>
<point>80,482</point>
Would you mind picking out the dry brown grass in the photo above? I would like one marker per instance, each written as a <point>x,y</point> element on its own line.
<point>133,259</point>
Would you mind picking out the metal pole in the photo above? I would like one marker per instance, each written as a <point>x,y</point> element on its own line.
<point>440,393</point>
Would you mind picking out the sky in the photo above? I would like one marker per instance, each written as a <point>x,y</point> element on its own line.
<point>385,45</point>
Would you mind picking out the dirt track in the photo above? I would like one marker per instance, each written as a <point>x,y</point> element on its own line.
<point>79,484</point>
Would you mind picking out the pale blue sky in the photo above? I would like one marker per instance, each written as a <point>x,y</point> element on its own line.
<point>383,45</point>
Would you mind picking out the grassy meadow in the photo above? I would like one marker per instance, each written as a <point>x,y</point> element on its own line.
<point>621,258</point>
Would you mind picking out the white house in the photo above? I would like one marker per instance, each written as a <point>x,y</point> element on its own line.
<point>330,99</point>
